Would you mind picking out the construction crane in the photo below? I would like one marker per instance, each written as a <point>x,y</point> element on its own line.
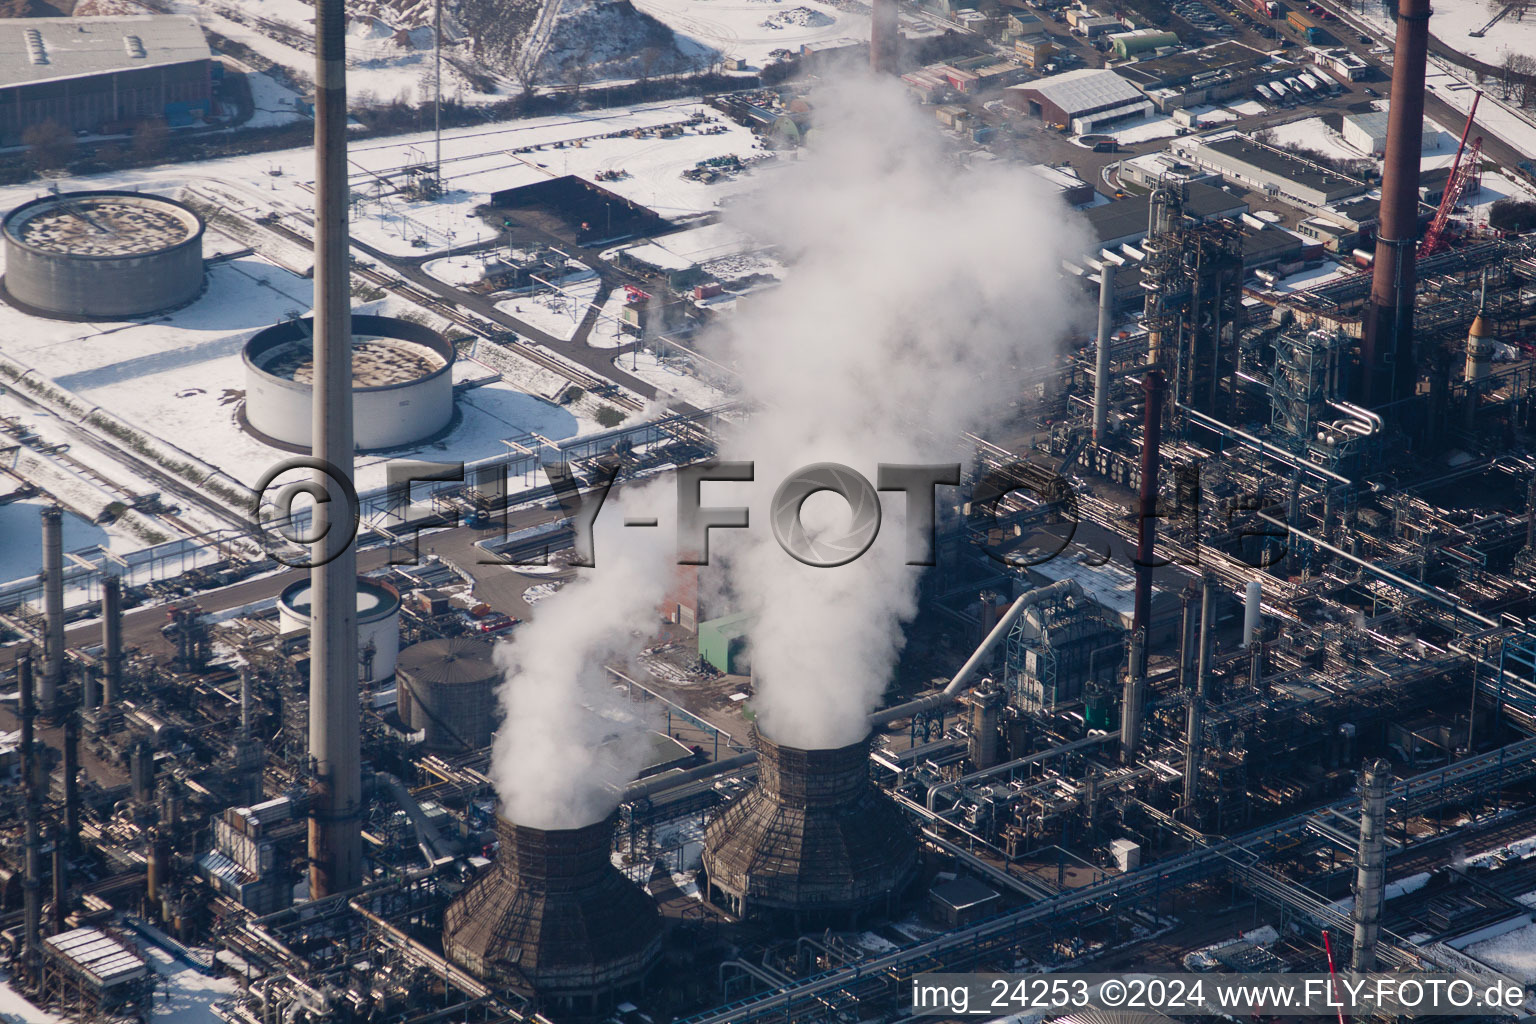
<point>1455,185</point>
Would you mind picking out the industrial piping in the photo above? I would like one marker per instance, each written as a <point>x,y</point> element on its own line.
<point>1154,385</point>
<point>1386,346</point>
<point>335,817</point>
<point>1371,865</point>
<point>1101,352</point>
<point>53,608</point>
<point>961,681</point>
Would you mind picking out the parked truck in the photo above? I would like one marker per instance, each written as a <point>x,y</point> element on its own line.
<point>1306,26</point>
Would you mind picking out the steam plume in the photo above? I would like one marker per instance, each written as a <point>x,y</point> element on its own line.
<point>569,743</point>
<point>918,290</point>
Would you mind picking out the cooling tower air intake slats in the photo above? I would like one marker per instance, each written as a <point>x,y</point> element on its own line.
<point>37,53</point>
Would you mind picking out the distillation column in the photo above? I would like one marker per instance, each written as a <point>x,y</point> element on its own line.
<point>1370,864</point>
<point>1101,352</point>
<point>53,608</point>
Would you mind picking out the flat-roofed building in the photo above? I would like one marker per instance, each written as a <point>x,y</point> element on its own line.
<point>91,74</point>
<point>1207,75</point>
<point>1266,169</point>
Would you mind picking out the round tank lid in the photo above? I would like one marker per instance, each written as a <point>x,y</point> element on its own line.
<point>374,600</point>
<point>458,659</point>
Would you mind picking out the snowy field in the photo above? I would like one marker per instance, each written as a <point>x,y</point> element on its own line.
<point>1513,952</point>
<point>558,310</point>
<point>1453,20</point>
<point>753,29</point>
<point>1314,134</point>
<point>181,378</point>
<point>669,379</point>
<point>607,329</point>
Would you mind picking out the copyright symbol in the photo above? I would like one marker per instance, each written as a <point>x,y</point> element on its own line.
<point>277,529</point>
<point>1112,993</point>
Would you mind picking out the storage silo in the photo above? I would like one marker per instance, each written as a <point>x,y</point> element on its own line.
<point>102,254</point>
<point>554,919</point>
<point>447,689</point>
<point>378,622</point>
<point>402,382</point>
<point>814,843</point>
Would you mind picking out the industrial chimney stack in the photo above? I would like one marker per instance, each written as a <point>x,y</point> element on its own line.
<point>335,837</point>
<point>53,609</point>
<point>1387,372</point>
<point>884,37</point>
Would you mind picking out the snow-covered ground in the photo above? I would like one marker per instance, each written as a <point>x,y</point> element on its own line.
<point>185,994</point>
<point>1453,20</point>
<point>16,1010</point>
<point>557,310</point>
<point>273,102</point>
<point>1314,134</point>
<point>670,379</point>
<point>1145,130</point>
<point>1513,952</point>
<point>753,29</point>
<point>607,329</point>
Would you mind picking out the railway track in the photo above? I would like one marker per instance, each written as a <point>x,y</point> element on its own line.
<point>481,327</point>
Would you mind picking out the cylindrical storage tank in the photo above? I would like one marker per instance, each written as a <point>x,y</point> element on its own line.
<point>378,622</point>
<point>447,689</point>
<point>814,843</point>
<point>554,919</point>
<point>102,254</point>
<point>402,382</point>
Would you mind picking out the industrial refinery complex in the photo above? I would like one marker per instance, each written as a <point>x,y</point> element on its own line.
<point>669,512</point>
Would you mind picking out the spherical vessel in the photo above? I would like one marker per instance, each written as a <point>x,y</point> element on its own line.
<point>555,919</point>
<point>814,843</point>
<point>447,689</point>
<point>102,254</point>
<point>378,623</point>
<point>402,382</point>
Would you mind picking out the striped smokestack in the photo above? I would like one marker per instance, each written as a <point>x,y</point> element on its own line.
<point>1387,371</point>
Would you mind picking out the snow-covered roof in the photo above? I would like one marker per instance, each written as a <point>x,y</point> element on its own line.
<point>1084,89</point>
<point>43,49</point>
<point>103,958</point>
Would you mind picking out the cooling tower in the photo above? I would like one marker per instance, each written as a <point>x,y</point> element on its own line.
<point>553,918</point>
<point>813,843</point>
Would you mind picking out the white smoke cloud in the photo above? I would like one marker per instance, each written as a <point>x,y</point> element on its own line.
<point>569,742</point>
<point>918,290</point>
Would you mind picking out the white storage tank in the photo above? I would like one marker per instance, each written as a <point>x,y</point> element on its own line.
<point>402,383</point>
<point>102,254</point>
<point>378,623</point>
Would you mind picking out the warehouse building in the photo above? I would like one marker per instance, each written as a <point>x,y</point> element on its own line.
<point>101,74</point>
<point>1368,132</point>
<point>1087,99</point>
<point>1210,74</point>
<point>1269,170</point>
